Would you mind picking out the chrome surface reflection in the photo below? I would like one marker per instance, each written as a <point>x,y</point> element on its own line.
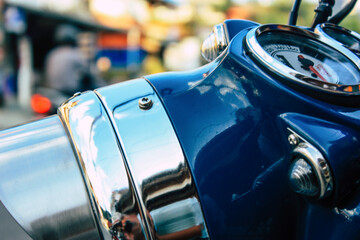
<point>215,43</point>
<point>114,202</point>
<point>343,36</point>
<point>159,172</point>
<point>319,180</point>
<point>41,184</point>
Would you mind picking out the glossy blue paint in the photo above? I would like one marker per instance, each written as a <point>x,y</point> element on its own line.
<point>340,222</point>
<point>234,26</point>
<point>231,118</point>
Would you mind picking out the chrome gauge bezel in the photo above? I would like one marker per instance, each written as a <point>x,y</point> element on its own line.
<point>292,76</point>
<point>321,30</point>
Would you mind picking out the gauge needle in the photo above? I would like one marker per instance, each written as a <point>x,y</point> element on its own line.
<point>308,65</point>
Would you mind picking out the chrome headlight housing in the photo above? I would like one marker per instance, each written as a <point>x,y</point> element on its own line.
<point>120,153</point>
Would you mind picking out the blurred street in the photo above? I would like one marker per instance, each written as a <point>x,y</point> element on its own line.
<point>12,115</point>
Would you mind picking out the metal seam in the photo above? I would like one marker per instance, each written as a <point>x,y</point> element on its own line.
<point>68,130</point>
<point>128,170</point>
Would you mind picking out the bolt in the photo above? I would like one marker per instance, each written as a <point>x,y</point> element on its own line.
<point>145,103</point>
<point>293,140</point>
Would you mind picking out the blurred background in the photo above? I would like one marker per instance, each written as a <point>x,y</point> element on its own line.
<point>117,40</point>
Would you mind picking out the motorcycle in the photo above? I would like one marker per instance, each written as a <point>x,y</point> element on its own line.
<point>261,143</point>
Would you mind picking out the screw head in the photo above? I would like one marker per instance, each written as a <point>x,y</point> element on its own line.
<point>293,140</point>
<point>145,103</point>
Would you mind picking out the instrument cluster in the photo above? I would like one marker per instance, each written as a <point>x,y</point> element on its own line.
<point>322,61</point>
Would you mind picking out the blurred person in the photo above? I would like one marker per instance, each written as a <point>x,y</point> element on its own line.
<point>66,68</point>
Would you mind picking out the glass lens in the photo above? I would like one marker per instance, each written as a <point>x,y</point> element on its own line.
<point>310,58</point>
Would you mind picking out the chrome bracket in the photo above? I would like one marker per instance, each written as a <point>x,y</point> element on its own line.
<point>303,149</point>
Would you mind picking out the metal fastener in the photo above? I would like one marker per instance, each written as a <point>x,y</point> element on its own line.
<point>293,140</point>
<point>145,103</point>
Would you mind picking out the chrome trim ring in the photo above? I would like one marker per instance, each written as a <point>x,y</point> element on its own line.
<point>102,164</point>
<point>290,74</point>
<point>161,178</point>
<point>137,178</point>
<point>303,149</point>
<point>321,30</point>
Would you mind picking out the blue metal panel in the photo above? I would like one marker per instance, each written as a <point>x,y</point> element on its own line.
<point>334,223</point>
<point>231,118</point>
<point>234,26</point>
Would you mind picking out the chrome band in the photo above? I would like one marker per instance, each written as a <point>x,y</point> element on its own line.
<point>321,29</point>
<point>41,183</point>
<point>102,163</point>
<point>304,149</point>
<point>160,175</point>
<point>276,66</point>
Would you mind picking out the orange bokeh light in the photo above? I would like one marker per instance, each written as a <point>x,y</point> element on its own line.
<point>40,104</point>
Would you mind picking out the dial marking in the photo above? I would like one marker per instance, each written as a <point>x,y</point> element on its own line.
<point>284,60</point>
<point>308,65</point>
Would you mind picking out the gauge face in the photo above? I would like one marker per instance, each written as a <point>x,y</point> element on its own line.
<point>310,58</point>
<point>303,62</point>
<point>300,56</point>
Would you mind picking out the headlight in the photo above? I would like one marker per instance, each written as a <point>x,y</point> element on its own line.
<point>215,43</point>
<point>116,170</point>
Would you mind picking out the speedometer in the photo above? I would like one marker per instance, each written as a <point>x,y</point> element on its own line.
<point>310,58</point>
<point>303,58</point>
